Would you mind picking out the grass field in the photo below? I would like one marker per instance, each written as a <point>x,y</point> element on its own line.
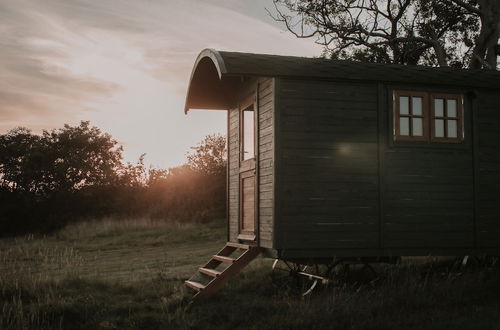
<point>128,275</point>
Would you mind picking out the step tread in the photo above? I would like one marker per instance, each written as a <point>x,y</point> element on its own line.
<point>209,272</point>
<point>195,285</point>
<point>238,245</point>
<point>223,259</point>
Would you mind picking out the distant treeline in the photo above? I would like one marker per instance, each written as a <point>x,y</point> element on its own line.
<point>77,172</point>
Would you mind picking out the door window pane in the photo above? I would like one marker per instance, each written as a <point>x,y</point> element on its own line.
<point>439,128</point>
<point>439,107</point>
<point>417,127</point>
<point>452,129</point>
<point>416,106</point>
<point>404,126</point>
<point>248,134</point>
<point>451,108</point>
<point>403,105</point>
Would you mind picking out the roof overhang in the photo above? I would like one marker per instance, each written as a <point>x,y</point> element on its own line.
<point>217,75</point>
<point>209,85</point>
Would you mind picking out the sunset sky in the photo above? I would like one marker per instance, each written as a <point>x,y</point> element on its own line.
<point>125,65</point>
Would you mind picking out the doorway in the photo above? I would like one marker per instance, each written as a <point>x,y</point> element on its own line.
<point>247,170</point>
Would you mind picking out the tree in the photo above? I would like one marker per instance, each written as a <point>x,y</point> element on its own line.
<point>60,160</point>
<point>209,155</point>
<point>461,33</point>
<point>136,175</point>
<point>20,157</point>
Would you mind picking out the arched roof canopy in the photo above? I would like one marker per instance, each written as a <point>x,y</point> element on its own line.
<point>217,74</point>
<point>209,87</point>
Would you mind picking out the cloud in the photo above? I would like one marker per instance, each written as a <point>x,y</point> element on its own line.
<point>35,87</point>
<point>124,65</point>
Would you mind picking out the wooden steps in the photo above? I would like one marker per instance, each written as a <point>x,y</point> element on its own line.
<point>195,285</point>
<point>238,245</point>
<point>209,280</point>
<point>209,272</point>
<point>223,259</point>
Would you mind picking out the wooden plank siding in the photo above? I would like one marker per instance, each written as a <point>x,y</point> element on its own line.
<point>429,198</point>
<point>347,186</point>
<point>328,167</point>
<point>488,169</point>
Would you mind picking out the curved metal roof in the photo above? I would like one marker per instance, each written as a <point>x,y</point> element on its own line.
<point>218,71</point>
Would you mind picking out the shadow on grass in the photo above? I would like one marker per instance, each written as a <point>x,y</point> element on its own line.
<point>47,283</point>
<point>406,296</point>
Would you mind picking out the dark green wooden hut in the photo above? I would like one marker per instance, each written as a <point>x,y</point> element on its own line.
<point>342,159</point>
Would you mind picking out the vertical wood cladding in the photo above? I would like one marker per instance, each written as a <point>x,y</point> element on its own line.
<point>488,169</point>
<point>233,184</point>
<point>329,165</point>
<point>266,161</point>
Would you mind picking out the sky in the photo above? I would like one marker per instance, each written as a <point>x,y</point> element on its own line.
<point>125,65</point>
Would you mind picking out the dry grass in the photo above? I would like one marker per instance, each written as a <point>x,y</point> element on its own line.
<point>125,250</point>
<point>128,274</point>
<point>41,274</point>
<point>113,226</point>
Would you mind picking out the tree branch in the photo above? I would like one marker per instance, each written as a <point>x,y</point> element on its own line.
<point>467,6</point>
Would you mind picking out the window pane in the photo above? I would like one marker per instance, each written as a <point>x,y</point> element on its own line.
<point>404,126</point>
<point>403,105</point>
<point>416,106</point>
<point>418,130</point>
<point>452,129</point>
<point>439,107</point>
<point>451,109</point>
<point>439,128</point>
<point>248,134</point>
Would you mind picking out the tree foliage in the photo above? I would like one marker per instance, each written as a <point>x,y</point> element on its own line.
<point>77,172</point>
<point>209,156</point>
<point>461,33</point>
<point>21,155</point>
<point>60,160</point>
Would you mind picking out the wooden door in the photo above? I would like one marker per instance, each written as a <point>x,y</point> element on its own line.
<point>247,218</point>
<point>247,170</point>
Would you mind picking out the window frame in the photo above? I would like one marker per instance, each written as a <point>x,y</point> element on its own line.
<point>248,102</point>
<point>397,115</point>
<point>429,117</point>
<point>459,118</point>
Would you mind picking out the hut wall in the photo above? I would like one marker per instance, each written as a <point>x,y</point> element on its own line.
<point>345,185</point>
<point>328,165</point>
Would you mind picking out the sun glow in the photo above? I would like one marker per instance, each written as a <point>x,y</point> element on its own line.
<point>125,68</point>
